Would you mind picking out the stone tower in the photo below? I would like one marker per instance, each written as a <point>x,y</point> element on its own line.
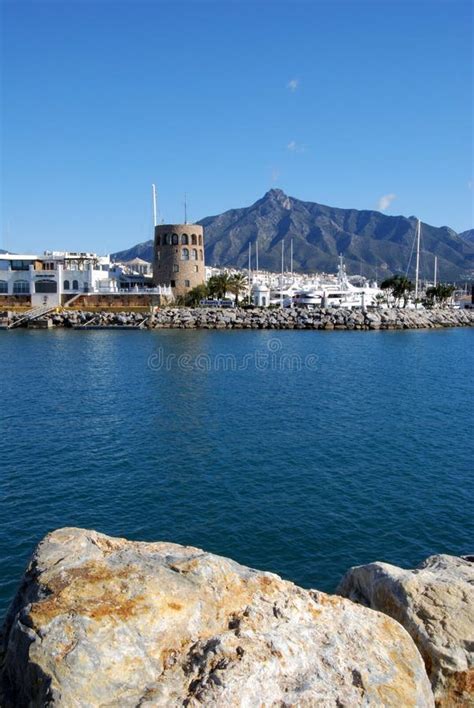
<point>178,257</point>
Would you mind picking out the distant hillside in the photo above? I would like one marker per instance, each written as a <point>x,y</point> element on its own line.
<point>372,243</point>
<point>141,250</point>
<point>467,236</point>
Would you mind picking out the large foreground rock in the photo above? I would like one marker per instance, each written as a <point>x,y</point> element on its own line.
<point>101,621</point>
<point>435,604</point>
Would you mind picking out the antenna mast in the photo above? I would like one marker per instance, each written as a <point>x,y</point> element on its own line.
<point>153,197</point>
<point>417,271</point>
<point>185,209</point>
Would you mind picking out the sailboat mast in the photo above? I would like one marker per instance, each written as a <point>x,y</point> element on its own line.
<point>250,265</point>
<point>256,255</point>
<point>291,259</point>
<point>417,271</point>
<point>435,271</point>
<point>282,266</point>
<point>153,198</point>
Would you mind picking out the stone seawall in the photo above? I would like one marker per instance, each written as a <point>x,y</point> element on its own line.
<point>296,318</point>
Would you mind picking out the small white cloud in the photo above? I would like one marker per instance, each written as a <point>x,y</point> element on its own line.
<point>293,146</point>
<point>469,184</point>
<point>385,201</point>
<point>292,85</point>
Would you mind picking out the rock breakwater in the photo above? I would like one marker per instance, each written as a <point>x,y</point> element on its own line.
<point>101,621</point>
<point>435,604</point>
<point>291,318</point>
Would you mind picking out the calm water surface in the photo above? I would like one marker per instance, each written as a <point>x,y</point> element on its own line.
<point>362,452</point>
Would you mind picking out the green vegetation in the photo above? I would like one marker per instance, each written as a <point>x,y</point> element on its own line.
<point>440,293</point>
<point>217,287</point>
<point>399,286</point>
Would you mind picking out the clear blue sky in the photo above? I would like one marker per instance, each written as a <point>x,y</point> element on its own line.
<point>337,102</point>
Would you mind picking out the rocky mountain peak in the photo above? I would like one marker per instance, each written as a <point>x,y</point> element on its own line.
<point>278,196</point>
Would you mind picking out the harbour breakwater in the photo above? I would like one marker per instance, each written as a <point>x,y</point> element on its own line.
<point>261,318</point>
<point>106,621</point>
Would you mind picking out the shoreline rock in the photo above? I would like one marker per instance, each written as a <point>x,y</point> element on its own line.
<point>435,604</point>
<point>264,318</point>
<point>101,621</point>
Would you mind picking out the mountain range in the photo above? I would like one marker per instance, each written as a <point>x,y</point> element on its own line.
<point>373,244</point>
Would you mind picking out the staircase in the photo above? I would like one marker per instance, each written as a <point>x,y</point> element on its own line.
<point>33,314</point>
<point>69,302</point>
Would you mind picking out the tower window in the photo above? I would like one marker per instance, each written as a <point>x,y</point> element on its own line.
<point>175,268</point>
<point>185,254</point>
<point>184,240</point>
<point>200,255</point>
<point>175,239</point>
<point>196,269</point>
<point>194,254</point>
<point>200,240</point>
<point>194,239</point>
<point>187,284</point>
<point>157,241</point>
<point>173,283</point>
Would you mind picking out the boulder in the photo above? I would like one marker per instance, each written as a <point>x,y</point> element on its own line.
<point>101,621</point>
<point>435,604</point>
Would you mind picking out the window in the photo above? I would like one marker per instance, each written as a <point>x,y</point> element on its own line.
<point>175,239</point>
<point>46,286</point>
<point>200,255</point>
<point>200,240</point>
<point>187,284</point>
<point>3,286</point>
<point>194,239</point>
<point>194,254</point>
<point>168,239</point>
<point>158,255</point>
<point>75,285</point>
<point>66,285</point>
<point>20,265</point>
<point>184,240</point>
<point>185,254</point>
<point>173,283</point>
<point>196,269</point>
<point>175,268</point>
<point>21,287</point>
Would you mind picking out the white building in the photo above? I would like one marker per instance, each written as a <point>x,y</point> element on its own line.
<point>56,277</point>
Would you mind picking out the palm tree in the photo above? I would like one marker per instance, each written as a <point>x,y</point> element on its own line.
<point>238,285</point>
<point>400,287</point>
<point>440,292</point>
<point>218,285</point>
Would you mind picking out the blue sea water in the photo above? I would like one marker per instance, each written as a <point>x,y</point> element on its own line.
<point>299,452</point>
